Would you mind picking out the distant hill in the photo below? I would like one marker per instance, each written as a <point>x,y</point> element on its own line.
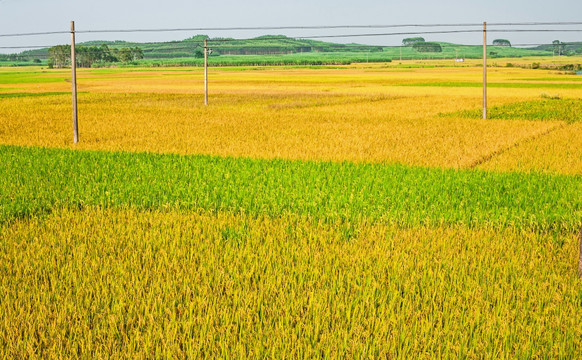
<point>279,44</point>
<point>192,47</point>
<point>283,50</point>
<point>573,48</point>
<point>452,51</point>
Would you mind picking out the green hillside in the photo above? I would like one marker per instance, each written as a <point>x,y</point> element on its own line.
<point>281,50</point>
<point>568,49</point>
<point>452,51</point>
<point>192,47</point>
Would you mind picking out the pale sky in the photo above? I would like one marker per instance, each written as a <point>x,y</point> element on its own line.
<point>26,16</point>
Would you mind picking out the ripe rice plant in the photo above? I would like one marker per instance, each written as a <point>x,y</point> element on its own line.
<point>329,212</point>
<point>163,283</point>
<point>359,113</point>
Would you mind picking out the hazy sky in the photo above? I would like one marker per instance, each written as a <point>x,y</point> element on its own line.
<point>24,16</point>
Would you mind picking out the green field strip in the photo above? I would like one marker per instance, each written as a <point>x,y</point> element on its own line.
<point>568,110</point>
<point>516,85</point>
<point>34,181</point>
<point>30,94</point>
<point>573,78</point>
<point>28,78</point>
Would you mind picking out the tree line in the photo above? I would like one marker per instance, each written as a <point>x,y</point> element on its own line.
<point>421,45</point>
<point>86,56</point>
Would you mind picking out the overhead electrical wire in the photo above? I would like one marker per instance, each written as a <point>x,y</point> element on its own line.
<point>195,45</point>
<point>322,27</point>
<point>330,36</point>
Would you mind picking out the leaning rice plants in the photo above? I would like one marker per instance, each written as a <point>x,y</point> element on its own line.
<point>164,283</point>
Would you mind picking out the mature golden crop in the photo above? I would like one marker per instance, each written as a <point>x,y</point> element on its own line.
<point>277,259</point>
<point>558,151</point>
<point>129,284</point>
<point>378,113</point>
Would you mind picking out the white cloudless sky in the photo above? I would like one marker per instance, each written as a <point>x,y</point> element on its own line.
<point>26,16</point>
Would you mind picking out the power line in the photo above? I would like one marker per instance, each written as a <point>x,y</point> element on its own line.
<point>330,27</point>
<point>322,27</point>
<point>195,45</point>
<point>397,34</point>
<point>26,47</point>
<point>35,34</point>
<point>534,30</point>
<point>535,23</point>
<point>326,27</point>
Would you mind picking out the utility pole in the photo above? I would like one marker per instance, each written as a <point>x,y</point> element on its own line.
<point>74,82</point>
<point>484,70</point>
<point>206,72</point>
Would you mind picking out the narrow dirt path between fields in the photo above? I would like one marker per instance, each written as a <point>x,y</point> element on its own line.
<point>490,156</point>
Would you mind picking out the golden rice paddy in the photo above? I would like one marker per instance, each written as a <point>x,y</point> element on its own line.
<point>97,269</point>
<point>376,113</point>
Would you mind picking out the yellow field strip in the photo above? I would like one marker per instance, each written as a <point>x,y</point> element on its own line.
<point>130,284</point>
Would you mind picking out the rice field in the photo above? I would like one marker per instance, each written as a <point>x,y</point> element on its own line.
<point>359,211</point>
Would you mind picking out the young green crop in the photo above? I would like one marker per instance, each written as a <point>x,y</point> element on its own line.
<point>37,180</point>
<point>568,110</point>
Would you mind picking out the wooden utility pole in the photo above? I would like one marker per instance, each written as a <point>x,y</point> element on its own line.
<point>484,70</point>
<point>205,72</point>
<point>74,82</point>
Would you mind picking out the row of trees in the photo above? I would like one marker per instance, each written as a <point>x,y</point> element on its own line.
<point>60,55</point>
<point>421,45</point>
<point>501,42</point>
<point>16,57</point>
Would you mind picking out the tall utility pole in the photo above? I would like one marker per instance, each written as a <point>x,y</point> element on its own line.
<point>205,72</point>
<point>484,70</point>
<point>74,82</point>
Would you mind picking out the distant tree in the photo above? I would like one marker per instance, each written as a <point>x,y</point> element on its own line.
<point>137,53</point>
<point>412,41</point>
<point>199,38</point>
<point>427,47</point>
<point>199,54</point>
<point>108,54</point>
<point>87,55</point>
<point>501,42</point>
<point>60,56</point>
<point>125,55</point>
<point>558,47</point>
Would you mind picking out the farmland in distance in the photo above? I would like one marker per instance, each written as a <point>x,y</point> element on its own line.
<point>357,211</point>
